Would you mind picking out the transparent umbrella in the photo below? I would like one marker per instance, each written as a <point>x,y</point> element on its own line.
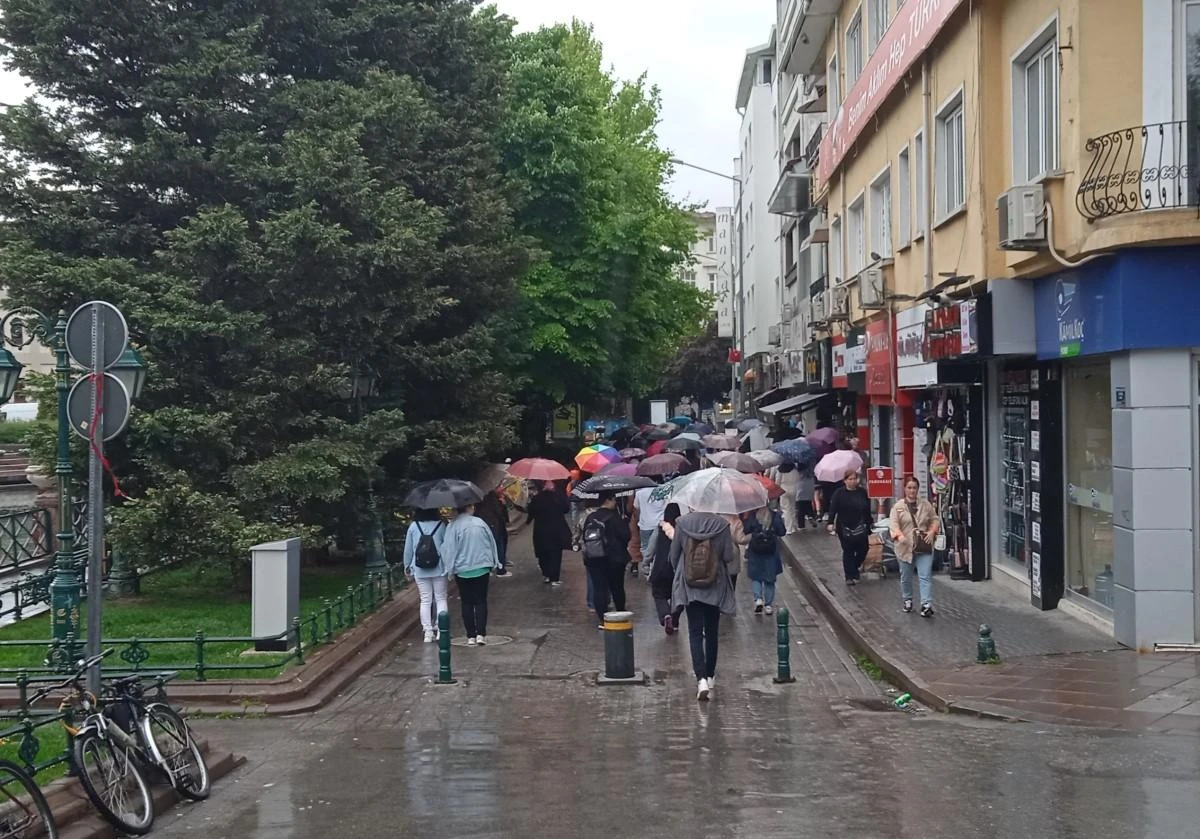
<point>717,490</point>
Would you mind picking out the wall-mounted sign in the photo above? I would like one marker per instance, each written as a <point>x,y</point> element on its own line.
<point>849,357</point>
<point>879,358</point>
<point>951,331</point>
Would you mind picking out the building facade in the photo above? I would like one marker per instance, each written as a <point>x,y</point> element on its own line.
<point>1000,262</point>
<point>704,265</point>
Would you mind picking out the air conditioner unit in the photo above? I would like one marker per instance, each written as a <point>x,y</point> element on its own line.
<point>820,312</point>
<point>788,312</point>
<point>1022,218</point>
<point>773,335</point>
<point>870,289</point>
<point>839,303</point>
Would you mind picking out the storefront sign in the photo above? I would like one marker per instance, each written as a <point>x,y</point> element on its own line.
<point>879,359</point>
<point>951,331</point>
<point>880,482</point>
<point>725,306</point>
<point>912,370</point>
<point>907,37</point>
<point>565,424</point>
<point>848,358</point>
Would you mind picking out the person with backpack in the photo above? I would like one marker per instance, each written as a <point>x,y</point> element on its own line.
<point>703,555</point>
<point>764,563</point>
<point>424,565</point>
<point>551,533</point>
<point>471,555</point>
<point>605,544</point>
<point>662,575</point>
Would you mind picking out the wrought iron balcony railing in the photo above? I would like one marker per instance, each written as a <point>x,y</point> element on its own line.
<point>1147,167</point>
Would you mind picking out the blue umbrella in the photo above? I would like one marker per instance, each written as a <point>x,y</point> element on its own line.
<point>797,452</point>
<point>749,425</point>
<point>681,421</point>
<point>701,428</point>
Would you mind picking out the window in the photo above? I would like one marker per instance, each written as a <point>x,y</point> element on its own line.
<point>922,193</point>
<point>854,49</point>
<point>712,281</point>
<point>856,244</point>
<point>766,71</point>
<point>879,22</point>
<point>949,167</point>
<point>833,90</point>
<point>835,251</point>
<point>1035,108</point>
<point>881,214</point>
<point>904,198</point>
<point>710,244</point>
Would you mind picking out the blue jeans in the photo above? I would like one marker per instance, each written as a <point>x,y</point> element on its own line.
<point>763,591</point>
<point>922,565</point>
<point>646,536</point>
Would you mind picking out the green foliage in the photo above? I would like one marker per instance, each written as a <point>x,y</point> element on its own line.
<point>14,432</point>
<point>699,369</point>
<point>273,193</point>
<point>601,307</point>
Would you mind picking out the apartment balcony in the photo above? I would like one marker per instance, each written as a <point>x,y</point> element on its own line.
<point>792,194</point>
<point>804,43</point>
<point>1140,169</point>
<point>814,145</point>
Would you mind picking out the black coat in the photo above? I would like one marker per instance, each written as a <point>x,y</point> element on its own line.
<point>850,509</point>
<point>617,537</point>
<point>547,511</point>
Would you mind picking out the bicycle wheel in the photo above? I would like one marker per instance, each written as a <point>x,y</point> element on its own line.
<point>24,813</point>
<point>110,778</point>
<point>170,742</point>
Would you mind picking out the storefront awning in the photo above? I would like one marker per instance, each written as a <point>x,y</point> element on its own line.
<point>772,395</point>
<point>792,194</point>
<point>793,405</point>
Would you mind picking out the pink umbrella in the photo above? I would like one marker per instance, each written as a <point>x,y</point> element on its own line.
<point>742,463</point>
<point>721,442</point>
<point>657,447</point>
<point>621,469</point>
<point>823,441</point>
<point>539,469</point>
<point>667,463</point>
<point>632,454</point>
<point>834,466</point>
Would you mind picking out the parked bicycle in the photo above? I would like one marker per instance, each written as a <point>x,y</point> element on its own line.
<point>119,735</point>
<point>24,813</point>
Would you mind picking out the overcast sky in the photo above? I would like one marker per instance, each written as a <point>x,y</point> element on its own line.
<point>691,49</point>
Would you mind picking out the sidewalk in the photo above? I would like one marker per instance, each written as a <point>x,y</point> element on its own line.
<point>1053,668</point>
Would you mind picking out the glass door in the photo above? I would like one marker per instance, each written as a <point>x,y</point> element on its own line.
<point>1089,483</point>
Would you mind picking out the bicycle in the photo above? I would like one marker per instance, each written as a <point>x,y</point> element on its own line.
<point>24,813</point>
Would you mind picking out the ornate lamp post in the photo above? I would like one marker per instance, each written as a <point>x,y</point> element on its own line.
<point>363,385</point>
<point>130,368</point>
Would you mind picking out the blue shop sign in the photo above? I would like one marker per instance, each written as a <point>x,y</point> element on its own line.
<point>1138,299</point>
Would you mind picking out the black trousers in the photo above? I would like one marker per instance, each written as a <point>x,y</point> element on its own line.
<point>804,512</point>
<point>550,562</point>
<point>703,622</point>
<point>608,580</point>
<point>854,554</point>
<point>474,593</point>
<point>662,601</point>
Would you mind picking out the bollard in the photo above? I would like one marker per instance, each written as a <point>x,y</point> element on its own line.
<point>618,651</point>
<point>784,647</point>
<point>986,646</point>
<point>444,677</point>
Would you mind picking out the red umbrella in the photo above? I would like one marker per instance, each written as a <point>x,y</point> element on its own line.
<point>774,490</point>
<point>539,469</point>
<point>657,447</point>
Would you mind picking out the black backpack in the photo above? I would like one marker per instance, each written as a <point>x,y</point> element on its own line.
<point>426,555</point>
<point>595,539</point>
<point>763,542</point>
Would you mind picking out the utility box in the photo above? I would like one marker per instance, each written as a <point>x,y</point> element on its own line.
<point>275,593</point>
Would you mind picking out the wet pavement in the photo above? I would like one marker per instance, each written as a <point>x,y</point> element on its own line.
<point>526,745</point>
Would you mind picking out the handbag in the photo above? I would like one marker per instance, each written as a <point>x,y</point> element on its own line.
<point>921,544</point>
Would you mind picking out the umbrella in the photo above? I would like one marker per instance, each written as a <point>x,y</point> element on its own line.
<point>668,463</point>
<point>797,452</point>
<point>721,491</point>
<point>773,489</point>
<point>733,423</point>
<point>632,454</point>
<point>721,442</point>
<point>657,447</point>
<point>688,435</point>
<point>681,421</point>
<point>623,469</point>
<point>741,462</point>
<point>539,469</point>
<point>824,440</point>
<point>767,458</point>
<point>684,444</point>
<point>657,433</point>
<point>718,457</point>
<point>834,466</point>
<point>748,425</point>
<point>700,428</point>
<point>491,476</point>
<point>445,492</point>
<point>612,483</point>
<point>595,457</point>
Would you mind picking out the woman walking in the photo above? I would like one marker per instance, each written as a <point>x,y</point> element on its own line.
<point>470,551</point>
<point>915,526</point>
<point>662,575</point>
<point>805,489</point>
<point>702,555</point>
<point>850,518</point>
<point>425,564</point>
<point>763,561</point>
<point>551,533</point>
<point>788,478</point>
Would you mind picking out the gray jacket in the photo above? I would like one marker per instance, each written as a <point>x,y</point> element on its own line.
<point>705,526</point>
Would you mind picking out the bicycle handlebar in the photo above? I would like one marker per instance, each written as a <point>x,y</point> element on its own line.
<point>81,668</point>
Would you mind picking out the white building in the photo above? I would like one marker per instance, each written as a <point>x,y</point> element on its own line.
<point>703,267</point>
<point>726,290</point>
<point>757,169</point>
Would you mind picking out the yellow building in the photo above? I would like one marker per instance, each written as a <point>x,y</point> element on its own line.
<point>1008,197</point>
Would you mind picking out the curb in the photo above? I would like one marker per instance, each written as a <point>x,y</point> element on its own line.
<point>899,673</point>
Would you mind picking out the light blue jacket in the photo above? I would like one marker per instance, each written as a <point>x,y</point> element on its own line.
<point>469,545</point>
<point>410,548</point>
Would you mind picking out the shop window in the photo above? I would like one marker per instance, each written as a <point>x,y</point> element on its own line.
<point>1088,441</point>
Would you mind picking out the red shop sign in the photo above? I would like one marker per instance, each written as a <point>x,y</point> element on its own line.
<point>879,359</point>
<point>943,333</point>
<point>915,26</point>
<point>840,362</point>
<point>880,482</point>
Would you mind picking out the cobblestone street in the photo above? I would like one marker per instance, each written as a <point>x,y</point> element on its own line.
<point>528,745</point>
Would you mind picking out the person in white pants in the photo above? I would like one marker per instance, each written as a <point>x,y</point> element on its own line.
<point>788,478</point>
<point>431,582</point>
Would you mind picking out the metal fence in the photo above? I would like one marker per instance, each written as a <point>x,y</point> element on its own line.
<point>1146,167</point>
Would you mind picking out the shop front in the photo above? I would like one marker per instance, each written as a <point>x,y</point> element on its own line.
<point>850,383</point>
<point>1122,335</point>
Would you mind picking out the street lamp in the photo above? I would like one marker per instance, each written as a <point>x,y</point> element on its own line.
<point>363,384</point>
<point>10,373</point>
<point>738,314</point>
<point>131,370</point>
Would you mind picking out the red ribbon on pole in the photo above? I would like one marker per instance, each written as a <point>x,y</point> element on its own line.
<point>97,415</point>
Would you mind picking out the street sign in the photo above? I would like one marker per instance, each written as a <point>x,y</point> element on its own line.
<point>114,407</point>
<point>109,326</point>
<point>880,482</point>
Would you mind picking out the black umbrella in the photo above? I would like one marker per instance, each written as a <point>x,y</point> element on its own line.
<point>444,492</point>
<point>700,428</point>
<point>623,435</point>
<point>733,423</point>
<point>612,483</point>
<point>657,434</point>
<point>684,444</point>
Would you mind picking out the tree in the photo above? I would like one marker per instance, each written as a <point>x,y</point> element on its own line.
<point>700,369</point>
<point>276,194</point>
<point>601,308</point>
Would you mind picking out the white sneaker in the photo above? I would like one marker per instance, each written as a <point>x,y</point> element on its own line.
<point>481,640</point>
<point>758,605</point>
<point>429,636</point>
<point>712,683</point>
<point>770,610</point>
<point>702,690</point>
<point>470,642</point>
